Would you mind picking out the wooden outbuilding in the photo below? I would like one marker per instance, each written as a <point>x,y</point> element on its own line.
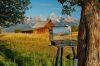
<point>40,27</point>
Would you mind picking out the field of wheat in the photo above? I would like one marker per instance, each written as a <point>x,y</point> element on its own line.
<point>36,46</point>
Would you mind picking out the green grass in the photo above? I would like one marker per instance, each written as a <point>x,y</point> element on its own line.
<point>18,49</point>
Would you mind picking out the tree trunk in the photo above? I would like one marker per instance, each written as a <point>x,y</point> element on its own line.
<point>81,42</point>
<point>91,39</point>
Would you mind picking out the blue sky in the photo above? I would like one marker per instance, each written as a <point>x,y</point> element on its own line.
<point>45,7</point>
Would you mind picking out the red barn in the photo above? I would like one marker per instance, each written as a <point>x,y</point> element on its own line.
<point>40,27</point>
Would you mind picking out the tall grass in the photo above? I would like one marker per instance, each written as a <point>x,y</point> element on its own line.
<point>29,50</point>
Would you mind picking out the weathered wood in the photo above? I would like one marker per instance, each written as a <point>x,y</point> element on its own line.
<point>81,42</point>
<point>57,56</point>
<point>88,36</point>
<point>61,63</point>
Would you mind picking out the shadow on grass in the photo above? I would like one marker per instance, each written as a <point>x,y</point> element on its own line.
<point>13,56</point>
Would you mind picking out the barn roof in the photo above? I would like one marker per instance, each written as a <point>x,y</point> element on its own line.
<point>23,27</point>
<point>40,24</point>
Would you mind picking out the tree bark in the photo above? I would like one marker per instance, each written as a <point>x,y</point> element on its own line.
<point>81,42</point>
<point>90,27</point>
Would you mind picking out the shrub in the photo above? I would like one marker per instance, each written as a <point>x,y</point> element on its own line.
<point>0,30</point>
<point>74,28</point>
<point>17,30</point>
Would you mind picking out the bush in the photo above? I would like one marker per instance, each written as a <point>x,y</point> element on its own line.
<point>74,28</point>
<point>17,30</point>
<point>6,62</point>
<point>0,30</point>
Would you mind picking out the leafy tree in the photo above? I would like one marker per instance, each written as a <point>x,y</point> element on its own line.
<point>88,35</point>
<point>12,11</point>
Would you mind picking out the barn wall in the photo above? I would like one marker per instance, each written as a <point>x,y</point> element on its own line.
<point>29,31</point>
<point>41,30</point>
<point>45,29</point>
<point>49,24</point>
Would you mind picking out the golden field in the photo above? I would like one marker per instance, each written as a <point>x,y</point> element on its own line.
<point>30,42</point>
<point>31,49</point>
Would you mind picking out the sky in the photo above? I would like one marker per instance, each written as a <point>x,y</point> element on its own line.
<point>45,7</point>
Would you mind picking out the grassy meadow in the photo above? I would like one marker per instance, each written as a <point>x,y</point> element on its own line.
<point>17,49</point>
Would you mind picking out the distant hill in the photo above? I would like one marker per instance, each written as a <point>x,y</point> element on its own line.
<point>71,21</point>
<point>67,19</point>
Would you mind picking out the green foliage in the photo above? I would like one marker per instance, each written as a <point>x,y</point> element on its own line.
<point>69,6</point>
<point>74,28</point>
<point>62,1</point>
<point>20,50</point>
<point>17,30</point>
<point>9,57</point>
<point>12,11</point>
<point>6,62</point>
<point>0,30</point>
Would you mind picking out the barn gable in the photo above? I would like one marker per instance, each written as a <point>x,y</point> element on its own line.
<point>40,27</point>
<point>42,24</point>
